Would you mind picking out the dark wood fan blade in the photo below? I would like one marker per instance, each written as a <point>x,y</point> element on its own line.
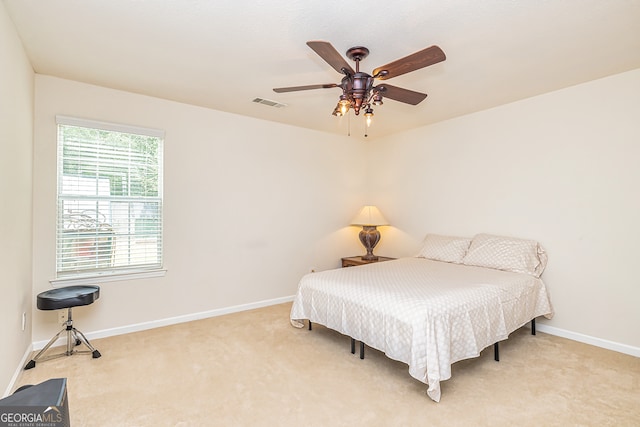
<point>399,94</point>
<point>296,88</point>
<point>415,61</point>
<point>331,56</point>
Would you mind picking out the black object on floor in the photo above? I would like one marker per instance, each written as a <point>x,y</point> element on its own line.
<point>42,404</point>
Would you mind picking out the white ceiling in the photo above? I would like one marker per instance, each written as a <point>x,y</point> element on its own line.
<point>223,54</point>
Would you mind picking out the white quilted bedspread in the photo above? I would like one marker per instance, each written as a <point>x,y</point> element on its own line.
<point>425,313</point>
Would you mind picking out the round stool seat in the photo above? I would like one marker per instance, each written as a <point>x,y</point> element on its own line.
<point>70,296</point>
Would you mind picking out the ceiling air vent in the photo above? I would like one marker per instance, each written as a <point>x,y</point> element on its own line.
<point>269,102</point>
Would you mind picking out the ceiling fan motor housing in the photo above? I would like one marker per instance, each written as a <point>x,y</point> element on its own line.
<point>358,87</point>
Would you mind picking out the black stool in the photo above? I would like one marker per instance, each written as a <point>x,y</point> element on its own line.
<point>68,297</point>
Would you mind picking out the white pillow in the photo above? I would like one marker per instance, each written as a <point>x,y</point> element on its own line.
<point>444,248</point>
<point>506,253</point>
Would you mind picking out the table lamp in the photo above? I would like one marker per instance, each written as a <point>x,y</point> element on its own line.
<point>369,218</point>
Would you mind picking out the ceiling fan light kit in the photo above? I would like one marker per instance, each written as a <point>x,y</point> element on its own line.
<point>358,90</point>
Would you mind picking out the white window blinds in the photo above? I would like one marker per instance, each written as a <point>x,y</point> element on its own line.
<point>109,218</point>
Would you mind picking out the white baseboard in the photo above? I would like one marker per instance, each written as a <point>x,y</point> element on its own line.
<point>598,342</point>
<point>175,320</point>
<point>18,371</point>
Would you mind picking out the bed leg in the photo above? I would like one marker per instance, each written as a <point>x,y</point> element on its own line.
<point>496,352</point>
<point>361,350</point>
<point>353,346</point>
<point>533,326</point>
<point>309,324</point>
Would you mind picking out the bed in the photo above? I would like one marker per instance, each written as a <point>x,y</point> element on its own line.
<point>455,298</point>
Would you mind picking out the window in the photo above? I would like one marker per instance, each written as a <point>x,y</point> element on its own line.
<point>109,218</point>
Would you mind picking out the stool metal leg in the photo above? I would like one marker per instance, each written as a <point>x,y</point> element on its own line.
<point>74,338</point>
<point>32,362</point>
<point>85,341</point>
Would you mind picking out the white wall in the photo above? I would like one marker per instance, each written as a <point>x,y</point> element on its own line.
<point>249,205</point>
<point>561,168</point>
<point>16,135</point>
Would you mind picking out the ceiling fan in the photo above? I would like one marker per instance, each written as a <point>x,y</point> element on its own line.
<point>358,90</point>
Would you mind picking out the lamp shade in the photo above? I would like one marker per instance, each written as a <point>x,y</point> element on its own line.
<point>369,216</point>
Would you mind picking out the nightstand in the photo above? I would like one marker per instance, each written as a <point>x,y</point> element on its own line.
<point>352,261</point>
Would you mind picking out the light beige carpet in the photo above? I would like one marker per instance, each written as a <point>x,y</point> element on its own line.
<point>254,369</point>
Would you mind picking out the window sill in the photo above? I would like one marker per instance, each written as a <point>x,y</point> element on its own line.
<point>92,280</point>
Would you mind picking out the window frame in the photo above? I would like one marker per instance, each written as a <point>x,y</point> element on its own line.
<point>112,273</point>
